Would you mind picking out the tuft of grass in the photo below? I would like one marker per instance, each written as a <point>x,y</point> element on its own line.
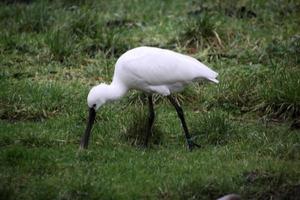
<point>255,184</point>
<point>214,128</point>
<point>7,42</point>
<point>196,190</point>
<point>15,43</point>
<point>61,44</point>
<point>289,49</point>
<point>34,18</point>
<point>135,131</point>
<point>115,41</point>
<point>200,32</point>
<point>273,91</point>
<point>273,184</point>
<point>33,102</point>
<point>84,23</point>
<point>280,95</point>
<point>237,88</point>
<point>95,34</point>
<point>110,41</point>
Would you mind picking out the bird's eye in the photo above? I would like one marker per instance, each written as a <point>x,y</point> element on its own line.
<point>94,106</point>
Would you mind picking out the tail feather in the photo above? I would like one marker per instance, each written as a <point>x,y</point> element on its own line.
<point>212,76</point>
<point>213,80</point>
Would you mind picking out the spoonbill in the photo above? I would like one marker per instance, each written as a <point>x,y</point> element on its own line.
<point>151,70</point>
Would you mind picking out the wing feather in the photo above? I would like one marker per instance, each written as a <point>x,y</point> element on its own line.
<point>158,66</point>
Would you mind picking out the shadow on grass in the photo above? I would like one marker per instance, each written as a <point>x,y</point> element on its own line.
<point>269,185</point>
<point>135,132</point>
<point>250,185</point>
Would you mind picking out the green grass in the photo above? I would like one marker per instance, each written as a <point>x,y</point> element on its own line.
<point>52,52</point>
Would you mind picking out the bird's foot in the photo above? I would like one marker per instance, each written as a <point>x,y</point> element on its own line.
<point>192,144</point>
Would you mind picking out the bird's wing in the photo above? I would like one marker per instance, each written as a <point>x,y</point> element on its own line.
<point>166,67</point>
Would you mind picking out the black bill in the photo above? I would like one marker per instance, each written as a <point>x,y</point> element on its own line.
<point>85,138</point>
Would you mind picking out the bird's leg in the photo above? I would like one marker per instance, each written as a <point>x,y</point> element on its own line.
<point>180,113</point>
<point>150,120</point>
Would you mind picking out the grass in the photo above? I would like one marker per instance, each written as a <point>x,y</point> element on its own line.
<point>52,52</point>
<point>138,122</point>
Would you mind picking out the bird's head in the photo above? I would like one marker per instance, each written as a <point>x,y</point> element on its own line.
<point>97,96</point>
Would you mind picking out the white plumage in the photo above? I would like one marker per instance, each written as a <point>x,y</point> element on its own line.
<point>159,70</point>
<point>152,70</point>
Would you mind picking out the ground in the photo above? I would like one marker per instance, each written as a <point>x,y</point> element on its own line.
<point>52,52</point>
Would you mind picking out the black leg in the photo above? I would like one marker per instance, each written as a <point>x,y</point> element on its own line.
<point>150,120</point>
<point>180,113</point>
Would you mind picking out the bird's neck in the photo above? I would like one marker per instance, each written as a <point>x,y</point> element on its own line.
<point>115,91</point>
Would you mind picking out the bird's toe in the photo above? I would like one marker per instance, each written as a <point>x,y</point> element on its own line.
<point>192,145</point>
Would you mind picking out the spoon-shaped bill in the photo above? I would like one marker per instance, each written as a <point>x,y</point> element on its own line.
<point>85,138</point>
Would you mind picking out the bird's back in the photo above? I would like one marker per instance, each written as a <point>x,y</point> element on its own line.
<point>150,66</point>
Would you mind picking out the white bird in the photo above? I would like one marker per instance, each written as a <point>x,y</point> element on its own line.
<point>230,197</point>
<point>152,70</point>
